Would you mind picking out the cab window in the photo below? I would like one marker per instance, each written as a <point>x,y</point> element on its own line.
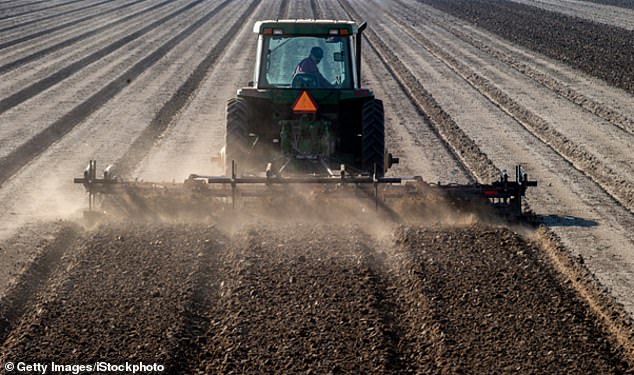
<point>282,55</point>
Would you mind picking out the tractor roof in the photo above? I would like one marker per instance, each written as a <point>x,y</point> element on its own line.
<point>305,26</point>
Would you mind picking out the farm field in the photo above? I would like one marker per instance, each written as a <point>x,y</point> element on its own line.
<point>470,88</point>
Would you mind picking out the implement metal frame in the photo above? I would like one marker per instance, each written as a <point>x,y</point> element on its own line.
<point>503,194</point>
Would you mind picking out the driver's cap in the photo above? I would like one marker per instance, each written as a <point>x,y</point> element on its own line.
<point>317,52</point>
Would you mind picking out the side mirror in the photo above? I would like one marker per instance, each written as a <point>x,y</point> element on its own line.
<point>250,84</point>
<point>338,56</point>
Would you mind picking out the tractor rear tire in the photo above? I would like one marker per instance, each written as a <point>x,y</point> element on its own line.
<point>237,142</point>
<point>373,137</point>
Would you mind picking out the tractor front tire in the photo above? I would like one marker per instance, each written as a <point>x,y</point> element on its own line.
<point>237,142</point>
<point>373,137</point>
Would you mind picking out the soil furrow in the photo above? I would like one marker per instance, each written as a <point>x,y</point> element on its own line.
<point>34,89</point>
<point>515,61</point>
<point>65,25</point>
<point>39,10</point>
<point>464,147</point>
<point>587,10</point>
<point>500,305</point>
<point>20,296</point>
<point>107,133</point>
<point>486,166</point>
<point>39,69</point>
<point>23,5</point>
<point>125,298</point>
<point>185,146</point>
<point>142,145</point>
<point>315,9</point>
<point>409,131</point>
<point>283,12</point>
<point>38,20</point>
<point>399,348</point>
<point>618,3</point>
<point>55,47</point>
<point>615,183</point>
<point>600,50</point>
<point>40,142</point>
<point>190,340</point>
<point>292,304</point>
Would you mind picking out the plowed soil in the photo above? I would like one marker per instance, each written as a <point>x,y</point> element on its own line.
<point>307,297</point>
<point>470,89</point>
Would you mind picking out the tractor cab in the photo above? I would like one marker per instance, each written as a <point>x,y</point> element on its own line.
<point>305,111</point>
<point>306,54</point>
<point>306,119</point>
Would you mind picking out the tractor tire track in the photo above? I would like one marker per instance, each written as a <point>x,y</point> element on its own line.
<point>181,97</point>
<point>189,338</point>
<point>395,330</point>
<point>34,89</point>
<point>613,182</point>
<point>11,163</point>
<point>48,50</point>
<point>39,10</point>
<point>28,37</point>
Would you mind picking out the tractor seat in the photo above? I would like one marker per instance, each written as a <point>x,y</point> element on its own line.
<point>304,80</point>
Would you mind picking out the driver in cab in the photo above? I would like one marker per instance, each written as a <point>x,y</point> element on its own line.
<point>308,67</point>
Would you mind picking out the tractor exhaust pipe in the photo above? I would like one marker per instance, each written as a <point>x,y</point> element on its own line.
<point>358,52</point>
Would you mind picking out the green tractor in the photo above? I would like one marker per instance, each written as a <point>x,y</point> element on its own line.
<point>304,120</point>
<point>305,111</point>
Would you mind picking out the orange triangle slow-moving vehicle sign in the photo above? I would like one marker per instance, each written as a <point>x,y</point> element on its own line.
<point>305,103</point>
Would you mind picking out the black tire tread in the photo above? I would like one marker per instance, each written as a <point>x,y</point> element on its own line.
<point>373,136</point>
<point>237,134</point>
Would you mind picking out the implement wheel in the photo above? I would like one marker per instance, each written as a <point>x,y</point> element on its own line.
<point>237,142</point>
<point>373,137</point>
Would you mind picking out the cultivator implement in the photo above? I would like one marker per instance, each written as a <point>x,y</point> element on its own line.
<point>504,196</point>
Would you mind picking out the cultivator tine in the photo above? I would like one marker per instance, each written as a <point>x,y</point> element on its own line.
<point>233,184</point>
<point>376,189</point>
<point>269,172</point>
<point>92,183</point>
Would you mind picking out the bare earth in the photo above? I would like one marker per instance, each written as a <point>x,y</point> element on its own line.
<point>143,85</point>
